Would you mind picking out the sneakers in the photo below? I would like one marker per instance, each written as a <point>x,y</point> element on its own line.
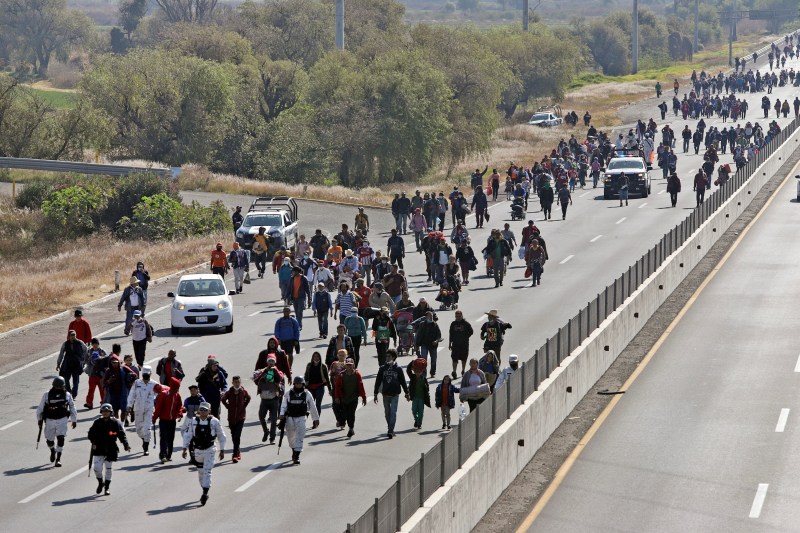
<point>58,459</point>
<point>107,492</point>
<point>265,437</point>
<point>162,459</point>
<point>390,435</point>
<point>350,433</point>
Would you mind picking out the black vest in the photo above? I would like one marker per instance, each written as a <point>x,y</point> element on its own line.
<point>203,437</point>
<point>296,403</point>
<point>57,405</point>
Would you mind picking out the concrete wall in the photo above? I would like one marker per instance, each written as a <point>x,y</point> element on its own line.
<point>465,497</point>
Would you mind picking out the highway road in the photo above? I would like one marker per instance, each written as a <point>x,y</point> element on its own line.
<point>338,478</point>
<point>705,438</point>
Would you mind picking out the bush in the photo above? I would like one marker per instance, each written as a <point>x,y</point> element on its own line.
<point>75,210</point>
<point>130,190</point>
<point>21,230</point>
<point>161,217</point>
<point>34,193</point>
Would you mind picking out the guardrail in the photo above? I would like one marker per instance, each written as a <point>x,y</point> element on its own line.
<point>46,165</point>
<point>411,489</point>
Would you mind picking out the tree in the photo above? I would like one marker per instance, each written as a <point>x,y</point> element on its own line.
<point>191,11</point>
<point>609,46</point>
<point>210,42</point>
<point>163,107</point>
<point>131,13</point>
<point>39,29</point>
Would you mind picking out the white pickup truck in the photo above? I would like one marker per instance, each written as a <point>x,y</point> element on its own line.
<point>278,214</point>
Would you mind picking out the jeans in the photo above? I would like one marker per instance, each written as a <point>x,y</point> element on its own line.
<point>381,346</point>
<point>401,222</point>
<point>479,211</point>
<point>236,434</point>
<point>673,197</point>
<point>299,305</point>
<point>318,394</point>
<point>623,196</point>
<point>417,410</point>
<point>564,206</point>
<point>418,236</point>
<point>429,352</point>
<point>700,195</point>
<point>536,276</point>
<point>685,145</point>
<point>390,411</point>
<point>75,376</point>
<point>139,348</point>
<point>261,262</point>
<point>129,317</point>
<point>322,322</point>
<point>166,434</point>
<point>445,416</point>
<point>547,210</point>
<point>349,412</point>
<point>270,407</point>
<point>497,271</point>
<point>397,259</point>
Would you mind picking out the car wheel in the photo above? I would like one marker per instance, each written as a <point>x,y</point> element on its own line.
<point>645,193</point>
<point>229,329</point>
<point>174,330</point>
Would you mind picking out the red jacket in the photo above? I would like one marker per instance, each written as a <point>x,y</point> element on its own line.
<point>236,404</point>
<point>337,390</point>
<point>168,403</point>
<point>83,331</point>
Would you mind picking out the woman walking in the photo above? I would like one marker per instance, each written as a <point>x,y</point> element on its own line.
<point>317,379</point>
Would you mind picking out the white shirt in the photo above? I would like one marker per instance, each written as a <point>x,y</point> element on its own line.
<point>142,396</point>
<point>134,299</point>
<point>216,430</point>
<point>139,330</point>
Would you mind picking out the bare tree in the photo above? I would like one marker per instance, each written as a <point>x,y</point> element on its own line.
<point>192,11</point>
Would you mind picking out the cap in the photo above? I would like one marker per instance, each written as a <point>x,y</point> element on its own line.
<point>72,332</point>
<point>287,308</point>
<point>219,244</point>
<point>137,313</point>
<point>349,361</point>
<point>299,379</point>
<point>106,407</point>
<point>513,359</point>
<point>204,406</point>
<point>78,312</point>
<point>147,369</point>
<point>320,284</point>
<point>59,382</point>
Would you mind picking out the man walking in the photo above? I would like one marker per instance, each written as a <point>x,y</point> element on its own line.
<point>97,365</point>
<point>240,265</point>
<point>298,292</point>
<point>141,334</point>
<point>349,387</point>
<point>287,330</point>
<point>235,401</point>
<point>427,340</point>
<point>144,282</point>
<point>673,188</point>
<point>133,300</point>
<point>141,402</point>
<point>219,261</point>
<point>389,382</point>
<point>565,199</point>
<point>169,410</point>
<point>297,404</point>
<point>201,432</point>
<point>700,185</point>
<point>493,332</point>
<point>270,383</point>
<point>55,410</point>
<point>71,358</point>
<point>82,329</point>
<point>396,249</point>
<point>170,367</point>
<point>104,434</point>
<point>213,381</point>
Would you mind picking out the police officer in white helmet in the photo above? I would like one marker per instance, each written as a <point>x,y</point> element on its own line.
<point>53,411</point>
<point>141,402</point>
<point>297,404</point>
<point>201,431</point>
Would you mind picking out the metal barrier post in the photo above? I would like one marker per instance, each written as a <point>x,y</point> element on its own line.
<point>421,479</point>
<point>442,457</point>
<point>460,452</point>
<point>375,517</point>
<point>399,504</point>
<point>535,374</point>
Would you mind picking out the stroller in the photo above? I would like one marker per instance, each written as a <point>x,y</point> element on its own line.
<point>405,331</point>
<point>518,208</point>
<point>448,297</point>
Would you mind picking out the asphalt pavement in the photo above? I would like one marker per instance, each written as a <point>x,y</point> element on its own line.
<point>705,438</point>
<point>339,478</point>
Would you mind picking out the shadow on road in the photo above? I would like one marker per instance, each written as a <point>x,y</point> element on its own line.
<point>31,470</point>
<point>72,501</point>
<point>175,508</point>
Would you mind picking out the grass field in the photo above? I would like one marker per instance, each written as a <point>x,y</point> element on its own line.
<point>57,99</point>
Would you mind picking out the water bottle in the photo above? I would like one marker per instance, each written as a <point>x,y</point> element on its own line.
<point>462,412</point>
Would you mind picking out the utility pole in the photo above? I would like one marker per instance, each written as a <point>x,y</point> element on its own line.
<point>635,39</point>
<point>730,35</point>
<point>696,22</point>
<point>340,24</point>
<point>524,15</point>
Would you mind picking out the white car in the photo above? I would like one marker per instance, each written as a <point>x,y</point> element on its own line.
<point>201,301</point>
<point>545,120</point>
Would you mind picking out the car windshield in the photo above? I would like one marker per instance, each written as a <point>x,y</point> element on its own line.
<point>201,287</point>
<point>540,116</point>
<point>258,220</point>
<point>625,164</point>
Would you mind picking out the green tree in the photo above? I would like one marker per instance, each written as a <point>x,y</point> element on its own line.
<point>131,13</point>
<point>210,42</point>
<point>163,107</point>
<point>191,11</point>
<point>609,46</point>
<point>74,211</point>
<point>37,30</point>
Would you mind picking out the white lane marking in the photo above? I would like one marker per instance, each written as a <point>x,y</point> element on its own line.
<point>620,221</point>
<point>55,354</point>
<point>584,194</point>
<point>53,485</point>
<point>758,501</point>
<point>256,313</point>
<point>661,192</point>
<point>596,238</point>
<point>797,365</point>
<point>11,425</point>
<point>191,342</point>
<point>782,418</point>
<point>258,477</point>
<point>566,259</point>
<point>644,204</point>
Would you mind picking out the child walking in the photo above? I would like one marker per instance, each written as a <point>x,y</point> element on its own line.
<point>445,397</point>
<point>419,390</point>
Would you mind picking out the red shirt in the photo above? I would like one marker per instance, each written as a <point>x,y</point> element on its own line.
<point>83,332</point>
<point>363,293</point>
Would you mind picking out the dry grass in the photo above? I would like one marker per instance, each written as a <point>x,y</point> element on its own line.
<point>42,286</point>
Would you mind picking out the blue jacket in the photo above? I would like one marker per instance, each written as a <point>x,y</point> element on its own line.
<point>285,273</point>
<point>451,397</point>
<point>287,329</point>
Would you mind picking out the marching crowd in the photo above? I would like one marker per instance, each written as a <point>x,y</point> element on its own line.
<point>363,288</point>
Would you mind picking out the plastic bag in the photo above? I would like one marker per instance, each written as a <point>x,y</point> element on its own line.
<point>462,412</point>
<point>521,252</point>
